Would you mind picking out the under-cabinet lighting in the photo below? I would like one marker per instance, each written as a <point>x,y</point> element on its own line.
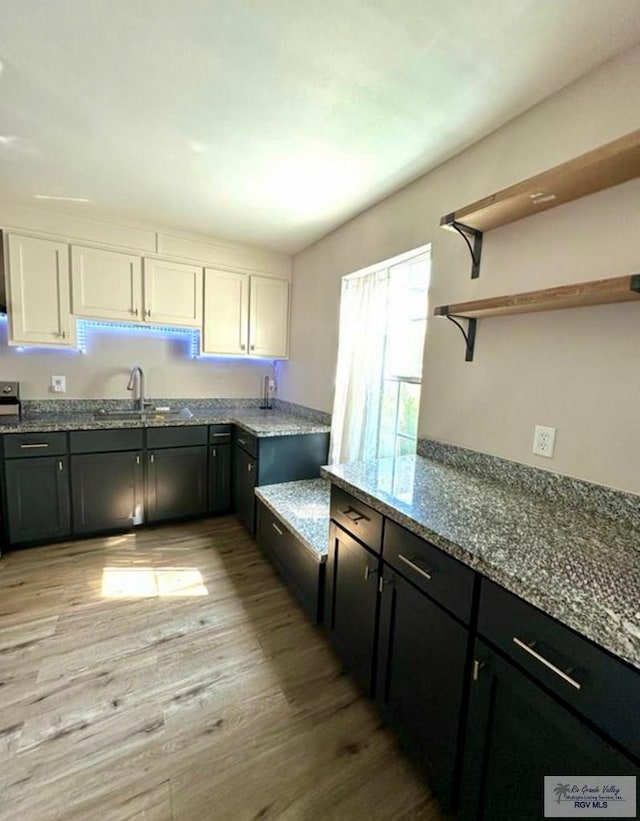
<point>189,335</point>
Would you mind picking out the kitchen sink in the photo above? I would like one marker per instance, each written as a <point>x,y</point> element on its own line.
<point>144,415</point>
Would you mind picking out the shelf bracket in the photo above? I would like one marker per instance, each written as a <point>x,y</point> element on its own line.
<point>475,250</point>
<point>469,335</point>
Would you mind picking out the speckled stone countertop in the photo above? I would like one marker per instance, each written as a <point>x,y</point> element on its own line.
<point>259,423</point>
<point>303,507</point>
<point>581,568</point>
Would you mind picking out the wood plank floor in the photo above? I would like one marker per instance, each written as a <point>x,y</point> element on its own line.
<point>169,674</point>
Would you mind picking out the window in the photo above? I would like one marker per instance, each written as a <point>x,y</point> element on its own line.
<point>383,314</point>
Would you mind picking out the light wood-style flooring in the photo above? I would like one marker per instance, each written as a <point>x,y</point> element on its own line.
<point>182,683</point>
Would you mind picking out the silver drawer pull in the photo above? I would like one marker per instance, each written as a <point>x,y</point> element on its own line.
<point>415,567</point>
<point>368,571</point>
<point>242,441</point>
<point>277,529</point>
<point>355,516</point>
<point>528,648</point>
<point>216,435</point>
<point>37,445</point>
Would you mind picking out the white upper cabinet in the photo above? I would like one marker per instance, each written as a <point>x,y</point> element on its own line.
<point>268,317</point>
<point>245,315</point>
<point>172,293</point>
<point>226,312</point>
<point>39,292</point>
<point>106,284</point>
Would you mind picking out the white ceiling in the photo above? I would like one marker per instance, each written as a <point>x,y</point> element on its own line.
<point>270,121</point>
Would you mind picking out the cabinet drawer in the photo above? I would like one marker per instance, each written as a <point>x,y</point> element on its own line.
<point>177,437</point>
<point>356,518</point>
<point>444,578</point>
<point>602,688</point>
<point>104,441</point>
<point>247,442</point>
<point>219,434</point>
<point>18,445</point>
<point>302,571</point>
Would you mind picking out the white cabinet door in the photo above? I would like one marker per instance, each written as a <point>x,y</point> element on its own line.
<point>268,317</point>
<point>106,284</point>
<point>226,312</point>
<point>172,293</point>
<point>38,292</point>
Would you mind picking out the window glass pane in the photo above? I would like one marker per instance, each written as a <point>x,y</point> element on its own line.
<point>388,418</point>
<point>408,409</point>
<point>405,447</point>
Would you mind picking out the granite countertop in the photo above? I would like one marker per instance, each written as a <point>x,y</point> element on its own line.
<point>303,507</point>
<point>578,567</point>
<point>259,423</point>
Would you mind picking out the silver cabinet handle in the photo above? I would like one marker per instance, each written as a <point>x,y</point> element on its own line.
<point>137,460</point>
<point>250,467</point>
<point>243,347</point>
<point>135,312</point>
<point>214,452</point>
<point>35,445</point>
<point>415,567</point>
<point>382,582</point>
<point>242,441</point>
<point>477,666</point>
<point>277,529</point>
<point>152,458</point>
<point>148,312</point>
<point>60,466</point>
<point>64,334</point>
<point>253,347</point>
<point>529,648</point>
<point>217,435</point>
<point>355,516</point>
<point>368,571</point>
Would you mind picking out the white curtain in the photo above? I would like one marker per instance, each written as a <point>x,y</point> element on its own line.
<point>363,328</point>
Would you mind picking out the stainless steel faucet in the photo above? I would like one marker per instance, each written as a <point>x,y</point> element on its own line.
<point>132,379</point>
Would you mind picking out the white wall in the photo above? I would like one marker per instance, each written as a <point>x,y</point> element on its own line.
<point>102,371</point>
<point>576,370</point>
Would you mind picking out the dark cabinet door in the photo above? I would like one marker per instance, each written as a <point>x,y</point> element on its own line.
<point>352,602</point>
<point>37,498</point>
<point>107,491</point>
<point>518,733</point>
<point>176,483</point>
<point>422,658</point>
<point>219,478</point>
<point>244,483</point>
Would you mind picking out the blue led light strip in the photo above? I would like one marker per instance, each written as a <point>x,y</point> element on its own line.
<point>189,335</point>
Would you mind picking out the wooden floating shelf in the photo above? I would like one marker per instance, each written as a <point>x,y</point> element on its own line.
<point>606,166</point>
<point>596,292</point>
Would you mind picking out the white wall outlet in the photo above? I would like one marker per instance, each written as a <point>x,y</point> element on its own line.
<point>544,440</point>
<point>58,384</point>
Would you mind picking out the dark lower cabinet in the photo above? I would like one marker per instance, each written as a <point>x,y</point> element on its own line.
<point>517,733</point>
<point>176,483</point>
<point>37,492</point>
<point>422,658</point>
<point>352,604</point>
<point>219,478</point>
<point>244,483</point>
<point>107,491</point>
<point>302,570</point>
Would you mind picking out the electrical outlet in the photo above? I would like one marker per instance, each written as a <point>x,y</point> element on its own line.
<point>544,440</point>
<point>58,384</point>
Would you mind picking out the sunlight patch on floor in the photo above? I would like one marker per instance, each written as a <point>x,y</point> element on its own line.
<point>149,582</point>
